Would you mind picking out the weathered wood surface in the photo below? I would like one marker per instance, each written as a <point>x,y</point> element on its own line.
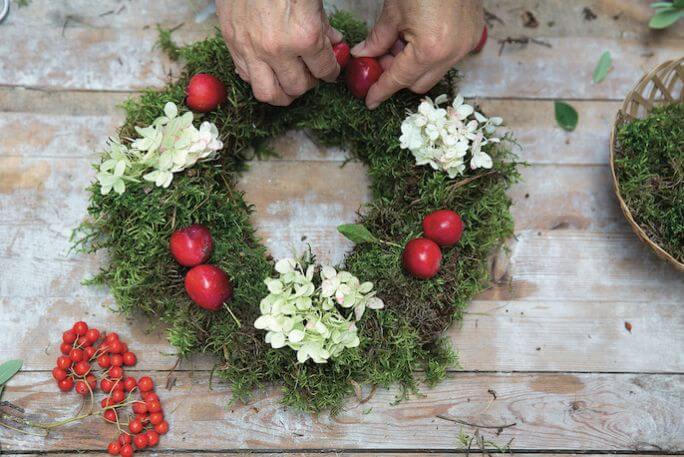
<point>550,334</point>
<point>550,410</point>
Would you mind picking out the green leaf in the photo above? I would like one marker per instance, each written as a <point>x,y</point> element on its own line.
<point>678,4</point>
<point>665,18</point>
<point>356,233</point>
<point>604,65</point>
<point>9,369</point>
<point>566,116</point>
<point>661,5</point>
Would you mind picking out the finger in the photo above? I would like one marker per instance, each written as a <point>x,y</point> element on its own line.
<point>386,61</point>
<point>331,32</point>
<point>427,81</point>
<point>379,41</point>
<point>403,72</point>
<point>265,84</point>
<point>322,62</point>
<point>397,47</point>
<point>293,76</point>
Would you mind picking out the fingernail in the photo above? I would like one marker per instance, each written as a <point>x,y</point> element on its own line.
<point>372,105</point>
<point>358,48</point>
<point>337,35</point>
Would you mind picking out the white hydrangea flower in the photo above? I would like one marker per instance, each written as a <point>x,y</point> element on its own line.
<point>442,138</point>
<point>310,319</point>
<point>169,145</point>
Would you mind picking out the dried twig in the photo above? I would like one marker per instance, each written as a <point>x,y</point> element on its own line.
<point>470,424</point>
<point>524,40</point>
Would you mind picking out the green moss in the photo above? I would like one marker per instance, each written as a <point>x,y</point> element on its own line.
<point>649,164</point>
<point>407,336</point>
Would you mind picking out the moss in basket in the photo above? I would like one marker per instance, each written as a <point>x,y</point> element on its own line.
<point>405,337</point>
<point>649,163</point>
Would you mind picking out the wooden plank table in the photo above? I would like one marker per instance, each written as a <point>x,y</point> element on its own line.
<point>545,348</point>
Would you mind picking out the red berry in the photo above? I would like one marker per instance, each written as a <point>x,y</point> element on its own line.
<point>115,372</point>
<point>109,415</point>
<point>106,385</point>
<point>92,381</point>
<point>59,373</point>
<point>204,93</point>
<point>82,388</point>
<point>69,337</point>
<point>444,227</point>
<point>140,441</point>
<point>139,407</point>
<point>135,426</point>
<point>89,352</point>
<point>104,361</point>
<point>152,438</point>
<point>126,451</point>
<point>115,347</point>
<point>83,342</point>
<point>117,396</point>
<point>114,448</point>
<point>64,362</point>
<point>156,418</point>
<point>129,383</point>
<point>149,396</point>
<point>341,51</point>
<point>82,368</point>
<point>124,347</point>
<point>422,258</point>
<point>116,360</point>
<point>65,385</point>
<point>110,337</point>
<point>80,328</point>
<point>208,286</point>
<point>162,428</point>
<point>145,384</point>
<point>65,348</point>
<point>481,43</point>
<point>92,335</point>
<point>154,406</point>
<point>129,359</point>
<point>191,245</point>
<point>76,355</point>
<point>362,73</point>
<point>124,439</point>
<point>106,403</point>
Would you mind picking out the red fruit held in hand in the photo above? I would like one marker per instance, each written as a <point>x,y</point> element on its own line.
<point>362,73</point>
<point>481,44</point>
<point>421,258</point>
<point>192,245</point>
<point>204,93</point>
<point>444,227</point>
<point>208,286</point>
<point>341,51</point>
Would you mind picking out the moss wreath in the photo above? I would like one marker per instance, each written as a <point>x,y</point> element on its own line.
<point>405,337</point>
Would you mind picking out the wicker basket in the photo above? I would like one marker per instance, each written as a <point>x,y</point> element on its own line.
<point>661,86</point>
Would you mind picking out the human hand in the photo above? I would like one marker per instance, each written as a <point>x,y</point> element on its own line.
<point>282,48</point>
<point>418,42</point>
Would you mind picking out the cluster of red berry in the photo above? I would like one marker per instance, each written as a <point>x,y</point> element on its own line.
<point>422,257</point>
<point>207,285</point>
<point>83,347</point>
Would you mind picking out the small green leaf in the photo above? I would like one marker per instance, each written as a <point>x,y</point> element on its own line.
<point>665,18</point>
<point>566,116</point>
<point>604,65</point>
<point>678,4</point>
<point>661,5</point>
<point>9,369</point>
<point>356,233</point>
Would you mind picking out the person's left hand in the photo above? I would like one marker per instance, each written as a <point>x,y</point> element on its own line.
<point>418,42</point>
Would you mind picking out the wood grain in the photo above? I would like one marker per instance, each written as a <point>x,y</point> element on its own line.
<point>607,412</point>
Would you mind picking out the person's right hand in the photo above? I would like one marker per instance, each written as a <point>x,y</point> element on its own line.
<point>281,47</point>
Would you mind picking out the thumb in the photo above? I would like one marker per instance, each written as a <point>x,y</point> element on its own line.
<point>334,35</point>
<point>379,41</point>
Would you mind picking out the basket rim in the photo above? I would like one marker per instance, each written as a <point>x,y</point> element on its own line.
<point>622,114</point>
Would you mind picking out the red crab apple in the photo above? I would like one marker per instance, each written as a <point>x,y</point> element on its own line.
<point>422,258</point>
<point>204,93</point>
<point>481,43</point>
<point>208,286</point>
<point>191,245</point>
<point>341,51</point>
<point>362,73</point>
<point>444,227</point>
